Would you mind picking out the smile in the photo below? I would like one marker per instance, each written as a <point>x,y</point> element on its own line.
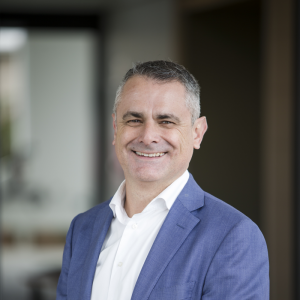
<point>150,154</point>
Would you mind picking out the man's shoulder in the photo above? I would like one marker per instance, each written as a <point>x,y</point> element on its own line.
<point>210,204</point>
<point>87,218</point>
<point>218,207</point>
<point>222,218</point>
<point>218,215</point>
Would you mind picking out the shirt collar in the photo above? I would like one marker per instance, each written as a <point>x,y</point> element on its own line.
<point>117,202</point>
<point>168,195</point>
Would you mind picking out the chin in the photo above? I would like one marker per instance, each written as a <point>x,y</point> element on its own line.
<point>148,176</point>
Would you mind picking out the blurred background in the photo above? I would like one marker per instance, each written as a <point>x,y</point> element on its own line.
<point>60,65</point>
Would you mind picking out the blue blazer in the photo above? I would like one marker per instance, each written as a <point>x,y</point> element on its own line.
<point>205,250</point>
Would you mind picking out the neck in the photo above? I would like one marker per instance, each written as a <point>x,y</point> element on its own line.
<point>140,194</point>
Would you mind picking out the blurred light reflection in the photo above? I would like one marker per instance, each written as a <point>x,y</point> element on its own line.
<point>11,39</point>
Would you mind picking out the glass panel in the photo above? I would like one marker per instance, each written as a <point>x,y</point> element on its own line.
<point>47,98</point>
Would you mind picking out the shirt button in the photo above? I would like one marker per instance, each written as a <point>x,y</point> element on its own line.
<point>134,226</point>
<point>120,264</point>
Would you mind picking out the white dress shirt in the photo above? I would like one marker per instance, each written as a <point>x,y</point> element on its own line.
<point>128,242</point>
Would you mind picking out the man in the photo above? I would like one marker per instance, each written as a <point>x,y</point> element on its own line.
<point>161,236</point>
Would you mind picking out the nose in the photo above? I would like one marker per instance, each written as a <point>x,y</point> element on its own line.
<point>149,134</point>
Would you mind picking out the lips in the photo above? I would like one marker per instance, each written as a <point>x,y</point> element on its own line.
<point>157,154</point>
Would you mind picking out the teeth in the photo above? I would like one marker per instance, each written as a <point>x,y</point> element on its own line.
<point>150,155</point>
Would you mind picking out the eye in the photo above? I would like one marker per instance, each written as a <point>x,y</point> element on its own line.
<point>134,121</point>
<point>167,122</point>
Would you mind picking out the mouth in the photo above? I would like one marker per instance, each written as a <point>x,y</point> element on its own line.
<point>157,154</point>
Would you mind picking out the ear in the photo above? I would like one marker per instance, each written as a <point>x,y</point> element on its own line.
<point>115,128</point>
<point>199,129</point>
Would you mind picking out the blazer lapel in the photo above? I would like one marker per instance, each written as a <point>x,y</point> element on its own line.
<point>101,226</point>
<point>176,228</point>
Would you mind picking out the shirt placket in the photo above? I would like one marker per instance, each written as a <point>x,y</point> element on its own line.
<point>120,262</point>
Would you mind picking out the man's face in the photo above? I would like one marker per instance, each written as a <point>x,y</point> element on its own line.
<point>153,134</point>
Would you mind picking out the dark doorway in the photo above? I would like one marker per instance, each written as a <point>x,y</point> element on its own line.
<point>222,49</point>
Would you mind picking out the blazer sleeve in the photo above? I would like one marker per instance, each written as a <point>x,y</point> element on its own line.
<point>61,291</point>
<point>240,267</point>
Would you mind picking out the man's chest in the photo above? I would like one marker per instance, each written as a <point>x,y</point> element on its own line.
<point>124,266</point>
<point>123,254</point>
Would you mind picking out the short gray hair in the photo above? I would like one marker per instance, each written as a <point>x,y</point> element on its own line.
<point>166,71</point>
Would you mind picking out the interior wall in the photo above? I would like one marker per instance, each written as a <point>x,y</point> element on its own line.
<point>223,52</point>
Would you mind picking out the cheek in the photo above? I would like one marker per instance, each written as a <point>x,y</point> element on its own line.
<point>124,137</point>
<point>180,141</point>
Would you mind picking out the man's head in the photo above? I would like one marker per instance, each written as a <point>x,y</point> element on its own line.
<point>154,137</point>
<point>166,71</point>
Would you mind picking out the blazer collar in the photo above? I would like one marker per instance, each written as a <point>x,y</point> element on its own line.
<point>191,196</point>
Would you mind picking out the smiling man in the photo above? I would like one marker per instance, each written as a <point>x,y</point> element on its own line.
<point>161,236</point>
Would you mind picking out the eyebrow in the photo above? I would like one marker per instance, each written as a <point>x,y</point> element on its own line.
<point>168,116</point>
<point>132,114</point>
<point>159,117</point>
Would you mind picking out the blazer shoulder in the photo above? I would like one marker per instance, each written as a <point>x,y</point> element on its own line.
<point>86,219</point>
<point>208,207</point>
<point>215,213</point>
<point>219,214</point>
<point>219,205</point>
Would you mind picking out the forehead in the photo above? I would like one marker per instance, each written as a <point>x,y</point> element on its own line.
<point>142,92</point>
